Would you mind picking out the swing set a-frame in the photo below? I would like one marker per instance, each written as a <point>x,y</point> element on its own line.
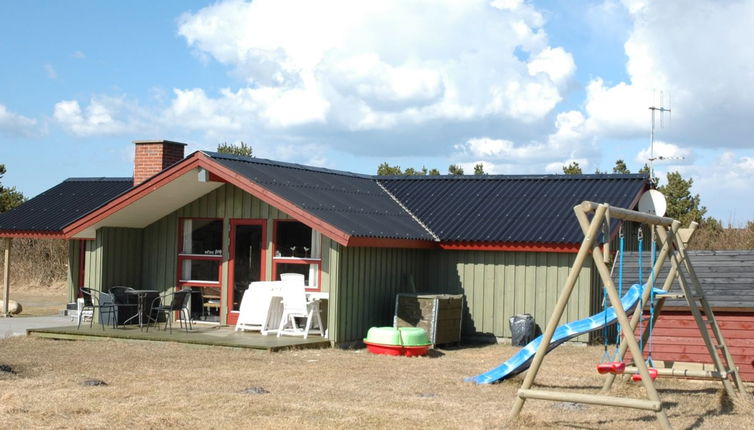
<point>672,247</point>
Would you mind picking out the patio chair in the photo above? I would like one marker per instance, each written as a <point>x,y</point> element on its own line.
<point>125,309</point>
<point>179,302</point>
<point>93,299</point>
<point>296,306</point>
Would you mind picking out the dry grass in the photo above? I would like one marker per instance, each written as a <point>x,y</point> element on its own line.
<point>39,301</point>
<point>163,385</point>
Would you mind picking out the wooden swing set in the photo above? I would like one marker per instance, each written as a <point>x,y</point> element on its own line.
<point>673,240</point>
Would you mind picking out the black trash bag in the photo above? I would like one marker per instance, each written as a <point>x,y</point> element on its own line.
<point>523,329</point>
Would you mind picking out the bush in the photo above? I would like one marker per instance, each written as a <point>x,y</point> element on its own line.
<point>38,261</point>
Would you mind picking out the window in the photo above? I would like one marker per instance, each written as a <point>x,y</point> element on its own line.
<point>201,251</point>
<point>297,250</point>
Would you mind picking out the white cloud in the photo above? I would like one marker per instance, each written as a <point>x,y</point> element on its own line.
<point>701,55</point>
<point>78,54</point>
<point>379,65</point>
<point>569,142</point>
<point>722,184</point>
<point>13,124</point>
<point>665,153</point>
<point>100,117</point>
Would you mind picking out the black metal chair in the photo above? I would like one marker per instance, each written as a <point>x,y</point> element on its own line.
<point>179,302</point>
<point>93,300</point>
<point>125,308</point>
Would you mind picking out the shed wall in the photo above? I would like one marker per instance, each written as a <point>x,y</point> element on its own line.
<point>498,285</point>
<point>676,337</point>
<point>113,258</point>
<point>368,280</point>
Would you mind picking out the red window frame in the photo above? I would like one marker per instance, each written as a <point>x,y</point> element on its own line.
<point>183,257</point>
<point>289,260</point>
<point>234,223</point>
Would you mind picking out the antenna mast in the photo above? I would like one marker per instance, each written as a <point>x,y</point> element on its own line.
<point>654,109</point>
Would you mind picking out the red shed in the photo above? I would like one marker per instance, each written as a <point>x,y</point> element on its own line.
<point>727,278</point>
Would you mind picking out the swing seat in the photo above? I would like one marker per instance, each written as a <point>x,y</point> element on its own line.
<point>652,374</point>
<point>616,367</point>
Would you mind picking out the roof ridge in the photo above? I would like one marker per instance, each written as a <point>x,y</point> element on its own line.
<point>414,217</point>
<point>588,176</point>
<point>285,164</point>
<point>100,179</point>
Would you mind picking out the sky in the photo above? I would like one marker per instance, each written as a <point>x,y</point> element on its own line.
<point>524,87</point>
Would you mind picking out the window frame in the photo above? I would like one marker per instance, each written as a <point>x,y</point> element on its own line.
<point>182,257</point>
<point>295,260</point>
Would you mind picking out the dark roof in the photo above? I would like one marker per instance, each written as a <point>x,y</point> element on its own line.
<point>353,203</point>
<point>512,208</point>
<point>727,277</point>
<point>528,209</point>
<point>63,204</point>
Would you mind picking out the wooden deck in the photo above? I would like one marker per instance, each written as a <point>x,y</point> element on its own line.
<point>200,335</point>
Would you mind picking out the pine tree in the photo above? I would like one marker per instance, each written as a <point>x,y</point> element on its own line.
<point>9,197</point>
<point>455,169</point>
<point>479,169</point>
<point>241,149</point>
<point>621,168</point>
<point>572,169</point>
<point>682,205</point>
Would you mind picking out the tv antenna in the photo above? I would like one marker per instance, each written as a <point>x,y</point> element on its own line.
<point>654,111</point>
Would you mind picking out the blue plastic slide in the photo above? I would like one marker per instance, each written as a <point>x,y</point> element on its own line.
<point>521,361</point>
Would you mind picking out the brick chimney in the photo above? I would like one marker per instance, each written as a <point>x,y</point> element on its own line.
<point>154,156</point>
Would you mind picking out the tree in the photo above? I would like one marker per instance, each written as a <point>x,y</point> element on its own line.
<point>645,171</point>
<point>9,197</point>
<point>681,204</point>
<point>241,149</point>
<point>479,169</point>
<point>620,168</point>
<point>385,169</point>
<point>434,172</point>
<point>572,169</point>
<point>600,172</point>
<point>413,172</point>
<point>455,169</point>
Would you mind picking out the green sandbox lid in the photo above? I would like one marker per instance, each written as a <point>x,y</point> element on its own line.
<point>406,336</point>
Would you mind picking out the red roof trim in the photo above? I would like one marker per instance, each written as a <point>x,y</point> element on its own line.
<point>32,234</point>
<point>132,195</point>
<point>372,242</point>
<point>273,199</point>
<point>217,171</point>
<point>569,248</point>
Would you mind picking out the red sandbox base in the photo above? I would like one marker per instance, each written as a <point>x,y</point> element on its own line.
<point>408,351</point>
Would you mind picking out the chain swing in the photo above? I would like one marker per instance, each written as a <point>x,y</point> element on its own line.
<point>650,363</point>
<point>609,362</point>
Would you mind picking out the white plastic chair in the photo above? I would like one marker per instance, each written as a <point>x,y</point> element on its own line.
<point>296,306</point>
<point>293,278</point>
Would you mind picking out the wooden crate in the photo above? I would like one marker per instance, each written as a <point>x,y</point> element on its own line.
<point>440,315</point>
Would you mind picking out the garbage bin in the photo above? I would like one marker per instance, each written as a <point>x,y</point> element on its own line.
<point>522,329</point>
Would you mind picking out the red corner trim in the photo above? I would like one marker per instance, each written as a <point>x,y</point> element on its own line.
<point>372,242</point>
<point>569,248</point>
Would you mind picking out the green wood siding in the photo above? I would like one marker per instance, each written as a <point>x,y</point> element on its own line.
<point>73,269</point>
<point>367,281</point>
<point>113,258</point>
<point>498,285</point>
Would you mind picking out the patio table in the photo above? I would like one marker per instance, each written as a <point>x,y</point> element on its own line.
<point>142,295</point>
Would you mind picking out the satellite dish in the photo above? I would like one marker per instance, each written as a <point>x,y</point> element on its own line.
<point>653,202</point>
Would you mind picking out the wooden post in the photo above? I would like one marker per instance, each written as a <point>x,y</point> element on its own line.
<point>6,277</point>
<point>565,294</point>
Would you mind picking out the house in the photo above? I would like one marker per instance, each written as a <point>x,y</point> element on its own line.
<point>216,222</point>
<point>727,278</point>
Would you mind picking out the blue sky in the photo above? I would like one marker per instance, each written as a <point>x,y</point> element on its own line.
<point>524,87</point>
